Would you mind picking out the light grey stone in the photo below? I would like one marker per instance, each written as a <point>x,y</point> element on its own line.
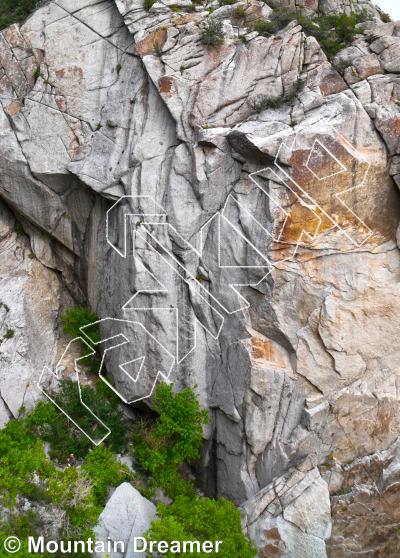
<point>301,524</point>
<point>126,515</point>
<point>309,369</point>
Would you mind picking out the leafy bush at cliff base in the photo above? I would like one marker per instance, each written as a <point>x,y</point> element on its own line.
<point>78,494</point>
<point>23,551</point>
<point>73,321</point>
<point>54,426</point>
<point>102,466</point>
<point>175,437</point>
<point>333,32</point>
<point>14,11</point>
<point>201,519</point>
<point>21,454</point>
<point>72,491</point>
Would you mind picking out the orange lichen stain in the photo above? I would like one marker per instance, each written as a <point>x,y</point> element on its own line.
<point>73,72</point>
<point>275,546</point>
<point>61,102</point>
<point>12,36</point>
<point>186,18</point>
<point>264,352</point>
<point>144,93</point>
<point>317,205</point>
<point>333,83</point>
<point>303,220</point>
<point>165,84</point>
<point>323,183</point>
<point>73,146</point>
<point>146,46</point>
<point>215,55</point>
<point>14,108</point>
<point>396,127</point>
<point>39,55</point>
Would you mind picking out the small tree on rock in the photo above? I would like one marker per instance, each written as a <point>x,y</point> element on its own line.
<point>212,34</point>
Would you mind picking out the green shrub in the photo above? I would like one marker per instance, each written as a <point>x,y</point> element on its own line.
<point>385,17</point>
<point>78,492</point>
<point>54,426</point>
<point>157,49</point>
<point>21,525</point>
<point>340,66</point>
<point>15,11</point>
<point>333,32</point>
<point>147,4</point>
<point>175,437</point>
<point>201,519</point>
<point>264,28</point>
<point>21,453</point>
<point>79,317</point>
<point>72,490</point>
<point>342,491</point>
<point>9,334</point>
<point>262,102</point>
<point>212,34</point>
<point>37,493</point>
<point>73,321</point>
<point>227,2</point>
<point>105,470</point>
<point>362,16</point>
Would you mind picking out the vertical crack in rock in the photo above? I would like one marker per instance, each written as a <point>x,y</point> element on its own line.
<point>278,201</point>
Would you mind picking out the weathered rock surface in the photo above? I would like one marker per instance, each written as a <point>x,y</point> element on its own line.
<point>291,516</point>
<point>297,206</point>
<point>31,296</point>
<point>126,515</point>
<point>365,505</point>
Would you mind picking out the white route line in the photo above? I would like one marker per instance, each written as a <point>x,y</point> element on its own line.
<point>153,309</point>
<point>355,154</point>
<point>176,310</point>
<point>151,222</point>
<point>126,340</point>
<point>56,375</point>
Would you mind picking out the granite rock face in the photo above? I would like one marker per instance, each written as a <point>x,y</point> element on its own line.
<point>126,515</point>
<point>365,493</point>
<point>292,515</point>
<point>245,248</point>
<point>31,296</point>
